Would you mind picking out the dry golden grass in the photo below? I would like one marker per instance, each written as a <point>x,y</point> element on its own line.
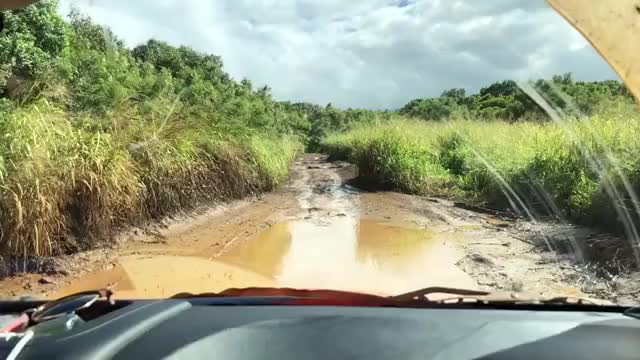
<point>67,182</point>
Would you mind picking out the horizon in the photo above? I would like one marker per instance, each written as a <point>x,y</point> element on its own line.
<point>365,61</point>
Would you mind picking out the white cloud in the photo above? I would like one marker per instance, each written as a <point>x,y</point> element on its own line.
<point>362,53</point>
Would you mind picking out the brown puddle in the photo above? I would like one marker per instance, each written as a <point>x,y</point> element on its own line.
<point>164,276</point>
<point>349,254</point>
<point>343,254</point>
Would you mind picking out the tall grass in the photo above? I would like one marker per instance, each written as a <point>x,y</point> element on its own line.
<point>68,180</point>
<point>585,170</point>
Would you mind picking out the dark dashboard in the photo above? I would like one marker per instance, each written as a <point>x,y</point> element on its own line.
<point>214,328</point>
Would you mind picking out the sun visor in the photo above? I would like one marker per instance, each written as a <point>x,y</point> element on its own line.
<point>612,27</point>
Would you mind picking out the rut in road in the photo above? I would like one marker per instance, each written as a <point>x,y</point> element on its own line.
<point>318,231</point>
<point>329,244</point>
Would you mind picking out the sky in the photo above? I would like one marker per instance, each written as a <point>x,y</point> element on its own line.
<point>376,54</point>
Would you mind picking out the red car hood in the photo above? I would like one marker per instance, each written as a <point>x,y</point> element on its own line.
<point>302,297</point>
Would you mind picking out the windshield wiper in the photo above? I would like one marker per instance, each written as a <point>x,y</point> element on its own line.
<point>422,294</point>
<point>633,312</point>
<point>466,296</point>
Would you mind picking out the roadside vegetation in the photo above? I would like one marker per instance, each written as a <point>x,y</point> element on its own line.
<point>578,169</point>
<point>555,147</point>
<point>97,136</point>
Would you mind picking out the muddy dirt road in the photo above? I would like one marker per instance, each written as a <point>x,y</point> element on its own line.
<point>317,231</point>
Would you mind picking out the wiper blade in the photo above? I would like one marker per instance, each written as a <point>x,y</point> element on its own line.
<point>633,312</point>
<point>422,294</point>
<point>564,300</point>
<point>431,296</point>
<point>466,296</point>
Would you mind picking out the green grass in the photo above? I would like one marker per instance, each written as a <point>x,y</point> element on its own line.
<point>580,169</point>
<point>69,180</point>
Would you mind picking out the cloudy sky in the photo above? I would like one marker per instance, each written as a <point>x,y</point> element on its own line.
<point>362,53</point>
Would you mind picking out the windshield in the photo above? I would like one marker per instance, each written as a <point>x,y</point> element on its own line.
<point>162,147</point>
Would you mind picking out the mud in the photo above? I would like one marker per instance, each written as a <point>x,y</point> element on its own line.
<point>160,276</point>
<point>348,254</point>
<point>318,231</point>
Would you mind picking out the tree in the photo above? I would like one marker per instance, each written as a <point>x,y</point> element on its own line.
<point>31,40</point>
<point>455,94</point>
<point>505,100</point>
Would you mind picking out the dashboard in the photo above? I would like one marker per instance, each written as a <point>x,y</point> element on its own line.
<point>238,328</point>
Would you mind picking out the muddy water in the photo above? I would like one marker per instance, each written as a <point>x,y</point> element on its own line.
<point>318,232</point>
<point>344,254</point>
<point>328,244</point>
<point>348,254</point>
<point>163,276</point>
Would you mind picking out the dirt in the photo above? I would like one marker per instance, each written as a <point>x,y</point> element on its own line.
<point>320,231</point>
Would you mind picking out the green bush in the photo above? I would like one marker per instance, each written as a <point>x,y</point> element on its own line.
<point>32,39</point>
<point>389,156</point>
<point>583,170</point>
<point>65,183</point>
<point>109,136</point>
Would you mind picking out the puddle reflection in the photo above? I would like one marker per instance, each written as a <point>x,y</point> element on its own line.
<point>265,253</point>
<point>343,254</point>
<point>349,254</point>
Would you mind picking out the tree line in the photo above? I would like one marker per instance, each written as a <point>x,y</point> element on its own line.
<point>512,101</point>
<point>84,67</point>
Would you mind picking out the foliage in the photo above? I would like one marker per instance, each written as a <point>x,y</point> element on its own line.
<point>109,136</point>
<point>506,100</point>
<point>32,39</point>
<point>585,170</point>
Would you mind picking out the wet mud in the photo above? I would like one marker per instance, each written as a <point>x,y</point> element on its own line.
<point>318,231</point>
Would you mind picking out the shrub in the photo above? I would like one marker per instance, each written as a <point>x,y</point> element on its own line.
<point>584,170</point>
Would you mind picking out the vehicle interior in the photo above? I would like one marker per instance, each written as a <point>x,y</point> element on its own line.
<point>318,325</point>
